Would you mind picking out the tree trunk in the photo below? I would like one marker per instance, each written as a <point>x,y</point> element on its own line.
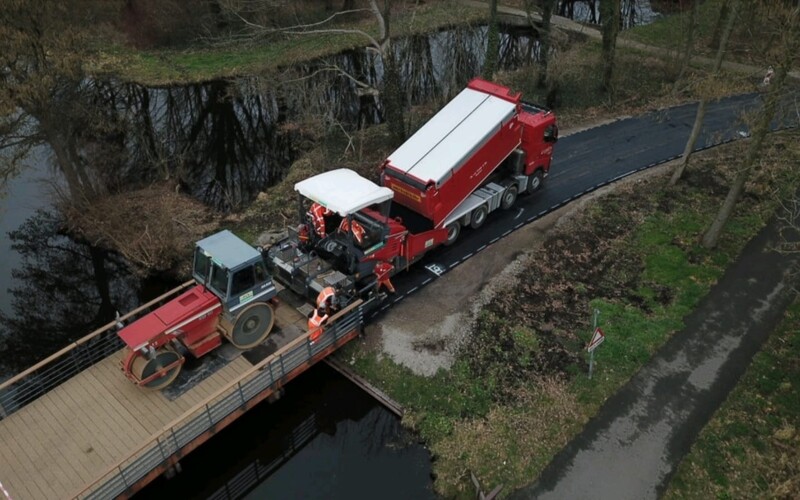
<point>723,14</point>
<point>688,44</point>
<point>711,236</point>
<point>701,108</point>
<point>609,16</point>
<point>548,6</point>
<point>492,43</point>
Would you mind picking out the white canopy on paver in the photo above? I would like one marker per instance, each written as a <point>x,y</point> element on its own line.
<point>343,191</point>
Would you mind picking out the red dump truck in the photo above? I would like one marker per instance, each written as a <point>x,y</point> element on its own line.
<point>474,156</point>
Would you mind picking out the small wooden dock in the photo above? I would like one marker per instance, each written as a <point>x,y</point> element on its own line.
<point>94,434</point>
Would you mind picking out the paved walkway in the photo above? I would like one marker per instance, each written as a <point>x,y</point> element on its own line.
<point>632,447</point>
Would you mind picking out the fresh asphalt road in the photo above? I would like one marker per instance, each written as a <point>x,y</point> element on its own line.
<point>584,162</point>
<point>632,447</point>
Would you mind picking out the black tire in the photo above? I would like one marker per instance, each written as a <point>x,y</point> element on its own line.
<point>453,230</point>
<point>535,182</point>
<point>143,367</point>
<point>478,217</point>
<point>252,325</point>
<point>509,197</point>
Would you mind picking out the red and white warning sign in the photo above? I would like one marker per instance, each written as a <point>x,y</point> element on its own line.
<point>597,339</point>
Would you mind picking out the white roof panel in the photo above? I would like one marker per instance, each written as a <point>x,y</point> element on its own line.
<point>343,191</point>
<point>445,141</point>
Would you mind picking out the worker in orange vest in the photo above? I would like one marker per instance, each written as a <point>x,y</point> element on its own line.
<point>318,213</point>
<point>382,272</point>
<point>327,299</point>
<point>358,229</point>
<point>302,235</point>
<point>315,321</point>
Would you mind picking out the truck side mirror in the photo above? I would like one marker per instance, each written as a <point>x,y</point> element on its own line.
<point>551,134</point>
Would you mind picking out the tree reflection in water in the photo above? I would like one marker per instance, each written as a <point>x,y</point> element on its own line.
<point>63,290</point>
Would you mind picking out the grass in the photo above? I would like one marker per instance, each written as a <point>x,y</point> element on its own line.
<point>668,31</point>
<point>474,417</point>
<point>750,447</point>
<point>168,67</point>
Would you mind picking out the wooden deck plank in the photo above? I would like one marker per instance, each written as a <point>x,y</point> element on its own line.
<point>115,419</point>
<point>37,436</point>
<point>12,468</point>
<point>94,426</point>
<point>136,401</point>
<point>89,423</point>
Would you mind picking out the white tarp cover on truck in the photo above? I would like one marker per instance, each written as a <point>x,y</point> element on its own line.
<point>453,134</point>
<point>343,191</point>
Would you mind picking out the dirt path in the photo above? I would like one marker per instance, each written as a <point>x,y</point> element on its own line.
<point>634,444</point>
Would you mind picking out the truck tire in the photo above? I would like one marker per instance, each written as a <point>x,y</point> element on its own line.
<point>478,217</point>
<point>453,230</point>
<point>509,197</point>
<point>535,181</point>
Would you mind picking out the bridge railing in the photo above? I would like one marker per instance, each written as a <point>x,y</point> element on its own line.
<point>37,380</point>
<point>272,372</point>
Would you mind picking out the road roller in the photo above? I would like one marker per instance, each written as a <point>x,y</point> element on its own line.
<point>232,299</point>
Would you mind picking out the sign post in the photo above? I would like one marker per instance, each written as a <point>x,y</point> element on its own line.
<point>597,338</point>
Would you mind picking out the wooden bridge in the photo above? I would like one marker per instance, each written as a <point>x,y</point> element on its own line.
<point>74,426</point>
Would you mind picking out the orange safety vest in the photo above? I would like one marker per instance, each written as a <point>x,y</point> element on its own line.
<point>326,295</point>
<point>302,234</point>
<point>318,214</point>
<point>315,325</point>
<point>358,229</point>
<point>383,270</point>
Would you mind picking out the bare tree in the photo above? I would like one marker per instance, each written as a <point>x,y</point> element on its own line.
<point>492,42</point>
<point>393,95</point>
<point>610,18</point>
<point>688,42</point>
<point>789,43</point>
<point>701,107</point>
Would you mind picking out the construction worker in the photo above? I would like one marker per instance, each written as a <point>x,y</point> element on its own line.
<point>358,229</point>
<point>327,299</point>
<point>315,321</point>
<point>318,213</point>
<point>303,238</point>
<point>382,272</point>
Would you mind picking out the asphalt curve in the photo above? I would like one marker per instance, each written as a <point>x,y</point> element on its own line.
<point>632,447</point>
<point>582,163</point>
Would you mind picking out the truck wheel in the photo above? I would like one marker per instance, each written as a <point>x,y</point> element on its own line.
<point>252,326</point>
<point>509,197</point>
<point>535,181</point>
<point>453,230</point>
<point>478,217</point>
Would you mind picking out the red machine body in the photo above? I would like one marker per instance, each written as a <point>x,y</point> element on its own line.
<point>474,156</point>
<point>191,317</point>
<point>439,167</point>
<point>231,300</point>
